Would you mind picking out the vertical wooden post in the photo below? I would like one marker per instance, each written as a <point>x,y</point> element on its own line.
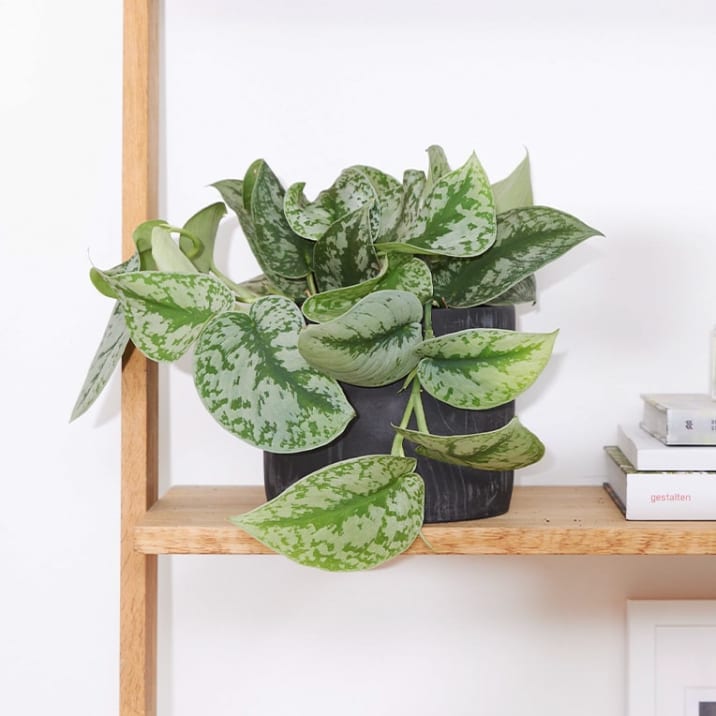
<point>138,588</point>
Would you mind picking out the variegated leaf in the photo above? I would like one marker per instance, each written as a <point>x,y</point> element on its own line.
<point>457,218</point>
<point>253,381</point>
<point>438,164</point>
<point>232,192</point>
<point>166,253</point>
<point>482,367</point>
<point>398,272</point>
<point>203,226</point>
<point>414,188</point>
<point>106,359</point>
<point>142,237</point>
<point>385,213</point>
<point>515,190</point>
<point>344,255</point>
<point>354,514</point>
<point>527,239</point>
<point>508,448</point>
<point>165,312</point>
<point>112,346</point>
<point>372,344</point>
<point>523,292</point>
<point>350,192</point>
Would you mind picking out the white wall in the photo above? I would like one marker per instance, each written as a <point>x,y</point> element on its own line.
<point>615,102</point>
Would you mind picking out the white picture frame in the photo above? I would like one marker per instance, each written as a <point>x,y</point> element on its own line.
<point>671,659</point>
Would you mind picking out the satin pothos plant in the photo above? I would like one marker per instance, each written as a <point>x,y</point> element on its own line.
<point>349,283</point>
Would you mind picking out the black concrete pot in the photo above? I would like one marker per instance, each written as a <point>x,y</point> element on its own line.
<point>452,493</point>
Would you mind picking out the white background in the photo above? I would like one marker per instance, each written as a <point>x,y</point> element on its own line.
<point>615,102</point>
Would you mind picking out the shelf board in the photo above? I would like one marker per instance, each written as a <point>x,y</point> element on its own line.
<point>541,520</point>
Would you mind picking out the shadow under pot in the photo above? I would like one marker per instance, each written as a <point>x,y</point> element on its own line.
<point>452,493</point>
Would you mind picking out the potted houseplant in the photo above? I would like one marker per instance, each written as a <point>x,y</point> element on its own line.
<point>346,314</point>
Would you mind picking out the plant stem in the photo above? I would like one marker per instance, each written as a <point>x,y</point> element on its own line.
<point>428,321</point>
<point>239,291</point>
<point>311,284</point>
<point>420,420</point>
<point>397,447</point>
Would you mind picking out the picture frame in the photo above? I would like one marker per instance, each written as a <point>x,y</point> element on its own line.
<point>671,657</point>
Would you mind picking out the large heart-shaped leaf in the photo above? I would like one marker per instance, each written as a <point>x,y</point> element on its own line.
<point>527,239</point>
<point>372,344</point>
<point>515,190</point>
<point>482,367</point>
<point>203,226</point>
<point>344,255</point>
<point>352,515</point>
<point>232,192</point>
<point>252,379</point>
<point>508,448</point>
<point>165,312</point>
<point>457,218</point>
<point>350,192</point>
<point>398,272</point>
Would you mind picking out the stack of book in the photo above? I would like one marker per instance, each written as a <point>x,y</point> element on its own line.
<point>665,467</point>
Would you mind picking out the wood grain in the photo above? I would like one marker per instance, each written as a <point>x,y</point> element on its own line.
<point>541,520</point>
<point>138,587</point>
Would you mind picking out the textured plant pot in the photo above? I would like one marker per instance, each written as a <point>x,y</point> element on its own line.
<point>452,493</point>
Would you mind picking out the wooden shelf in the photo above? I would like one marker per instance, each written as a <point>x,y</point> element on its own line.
<point>541,520</point>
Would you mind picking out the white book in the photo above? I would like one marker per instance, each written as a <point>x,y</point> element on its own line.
<point>652,495</point>
<point>645,452</point>
<point>680,418</point>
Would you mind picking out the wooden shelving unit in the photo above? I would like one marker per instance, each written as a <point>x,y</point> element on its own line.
<point>193,520</point>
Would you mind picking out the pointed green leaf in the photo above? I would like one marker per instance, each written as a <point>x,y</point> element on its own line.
<point>457,218</point>
<point>97,276</point>
<point>482,367</point>
<point>350,192</point>
<point>398,272</point>
<point>232,191</point>
<point>253,381</point>
<point>142,237</point>
<point>527,239</point>
<point>515,190</point>
<point>438,164</point>
<point>203,226</point>
<point>165,312</point>
<point>508,448</point>
<point>166,253</point>
<point>385,212</point>
<point>106,359</point>
<point>352,515</point>
<point>372,344</point>
<point>523,292</point>
<point>344,255</point>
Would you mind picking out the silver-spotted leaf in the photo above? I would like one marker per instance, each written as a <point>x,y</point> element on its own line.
<point>355,514</point>
<point>482,367</point>
<point>344,255</point>
<point>457,217</point>
<point>254,382</point>
<point>385,212</point>
<point>398,272</point>
<point>351,191</point>
<point>165,312</point>
<point>438,164</point>
<point>203,226</point>
<point>232,192</point>
<point>527,239</point>
<point>414,188</point>
<point>372,344</point>
<point>508,448</point>
<point>524,291</point>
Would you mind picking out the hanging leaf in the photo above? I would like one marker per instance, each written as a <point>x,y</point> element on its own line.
<point>350,192</point>
<point>457,218</point>
<point>515,190</point>
<point>253,381</point>
<point>482,367</point>
<point>527,239</point>
<point>344,255</point>
<point>398,272</point>
<point>165,312</point>
<point>204,226</point>
<point>352,515</point>
<point>232,192</point>
<point>508,448</point>
<point>166,253</point>
<point>372,344</point>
